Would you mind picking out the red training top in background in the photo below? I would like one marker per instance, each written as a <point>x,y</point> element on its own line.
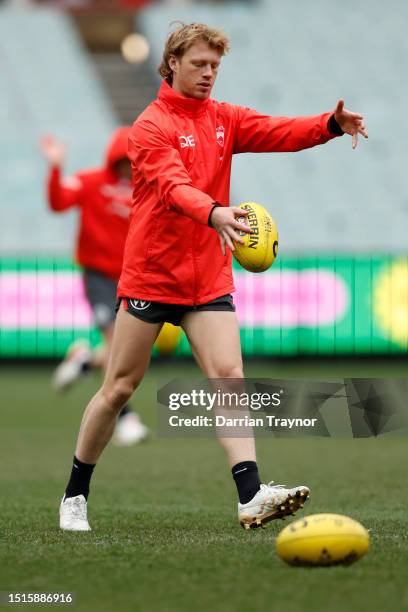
<point>104,202</point>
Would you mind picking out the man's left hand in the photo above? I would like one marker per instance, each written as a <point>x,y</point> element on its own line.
<point>350,123</point>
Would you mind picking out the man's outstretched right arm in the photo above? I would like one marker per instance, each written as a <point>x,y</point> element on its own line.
<point>160,164</point>
<point>162,168</point>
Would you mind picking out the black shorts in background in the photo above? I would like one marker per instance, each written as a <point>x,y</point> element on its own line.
<point>158,312</point>
<point>100,291</point>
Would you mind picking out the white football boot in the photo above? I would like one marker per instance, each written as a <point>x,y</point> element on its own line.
<point>129,430</point>
<point>78,355</point>
<point>73,515</point>
<point>271,502</point>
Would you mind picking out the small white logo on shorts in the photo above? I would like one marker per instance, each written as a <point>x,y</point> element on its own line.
<point>139,304</point>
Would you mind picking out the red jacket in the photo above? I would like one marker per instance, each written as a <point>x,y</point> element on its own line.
<point>105,205</point>
<point>181,152</point>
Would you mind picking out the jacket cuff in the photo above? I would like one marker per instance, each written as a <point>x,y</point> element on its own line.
<point>216,204</point>
<point>333,127</point>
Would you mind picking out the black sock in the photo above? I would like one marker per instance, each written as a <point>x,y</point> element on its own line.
<point>85,367</point>
<point>80,478</point>
<point>247,480</point>
<point>125,410</point>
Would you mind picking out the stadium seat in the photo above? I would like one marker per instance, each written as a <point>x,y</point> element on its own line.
<point>47,85</point>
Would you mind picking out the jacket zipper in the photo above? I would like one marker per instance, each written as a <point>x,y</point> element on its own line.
<point>195,269</point>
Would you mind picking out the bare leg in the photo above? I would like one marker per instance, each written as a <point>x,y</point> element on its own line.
<point>214,340</point>
<point>128,360</point>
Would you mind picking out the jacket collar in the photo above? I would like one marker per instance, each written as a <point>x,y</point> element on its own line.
<point>190,106</point>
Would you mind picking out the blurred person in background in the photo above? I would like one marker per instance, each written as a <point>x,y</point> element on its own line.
<point>103,196</point>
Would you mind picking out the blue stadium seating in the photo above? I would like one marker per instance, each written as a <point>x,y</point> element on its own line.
<point>47,85</point>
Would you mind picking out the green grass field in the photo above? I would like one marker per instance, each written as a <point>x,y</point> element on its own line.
<point>165,535</point>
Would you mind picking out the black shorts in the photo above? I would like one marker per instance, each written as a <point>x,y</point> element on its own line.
<point>100,291</point>
<point>157,312</point>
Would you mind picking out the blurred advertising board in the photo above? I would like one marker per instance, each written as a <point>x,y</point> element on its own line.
<point>303,306</point>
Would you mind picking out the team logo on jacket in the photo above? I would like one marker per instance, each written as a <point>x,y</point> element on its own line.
<point>187,141</point>
<point>220,133</point>
<point>139,304</point>
<point>119,198</point>
<point>118,191</point>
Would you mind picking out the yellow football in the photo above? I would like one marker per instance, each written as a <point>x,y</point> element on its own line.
<point>168,339</point>
<point>260,248</point>
<point>323,539</point>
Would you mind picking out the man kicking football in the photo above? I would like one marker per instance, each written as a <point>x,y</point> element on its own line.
<point>177,261</point>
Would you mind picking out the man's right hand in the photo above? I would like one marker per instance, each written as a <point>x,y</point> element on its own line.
<point>224,221</point>
<point>54,152</point>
